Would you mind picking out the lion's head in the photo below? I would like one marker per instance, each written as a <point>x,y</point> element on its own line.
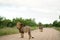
<point>18,25</point>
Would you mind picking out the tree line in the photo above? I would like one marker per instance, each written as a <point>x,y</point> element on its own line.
<point>11,23</point>
<point>31,22</point>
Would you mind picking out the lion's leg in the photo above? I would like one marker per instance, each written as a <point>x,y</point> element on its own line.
<point>29,33</point>
<point>22,35</point>
<point>42,30</point>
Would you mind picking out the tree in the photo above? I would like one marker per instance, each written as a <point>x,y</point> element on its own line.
<point>11,23</point>
<point>1,18</point>
<point>56,23</point>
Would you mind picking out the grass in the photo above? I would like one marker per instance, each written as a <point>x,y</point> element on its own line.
<point>8,30</point>
<point>33,28</point>
<point>57,28</point>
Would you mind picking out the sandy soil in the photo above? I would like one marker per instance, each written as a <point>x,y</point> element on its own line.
<point>47,34</point>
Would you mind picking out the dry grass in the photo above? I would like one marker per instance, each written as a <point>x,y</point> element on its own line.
<point>8,30</point>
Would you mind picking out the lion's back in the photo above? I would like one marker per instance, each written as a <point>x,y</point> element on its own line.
<point>27,28</point>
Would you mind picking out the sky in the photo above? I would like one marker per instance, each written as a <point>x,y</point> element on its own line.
<point>44,11</point>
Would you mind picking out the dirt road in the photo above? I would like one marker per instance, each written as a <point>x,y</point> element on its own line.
<point>47,34</point>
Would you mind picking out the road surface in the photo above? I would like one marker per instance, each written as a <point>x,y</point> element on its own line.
<point>47,34</point>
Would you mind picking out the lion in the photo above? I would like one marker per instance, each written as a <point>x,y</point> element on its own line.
<point>24,29</point>
<point>40,27</point>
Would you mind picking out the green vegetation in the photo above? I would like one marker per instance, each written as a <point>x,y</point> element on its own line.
<point>57,28</point>
<point>33,28</point>
<point>8,30</point>
<point>7,26</point>
<point>11,23</point>
<point>57,25</point>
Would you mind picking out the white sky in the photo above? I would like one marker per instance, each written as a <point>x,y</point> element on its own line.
<point>45,11</point>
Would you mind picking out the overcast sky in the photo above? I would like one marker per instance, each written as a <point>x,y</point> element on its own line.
<point>45,11</point>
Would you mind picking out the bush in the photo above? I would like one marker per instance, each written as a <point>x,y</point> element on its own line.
<point>56,23</point>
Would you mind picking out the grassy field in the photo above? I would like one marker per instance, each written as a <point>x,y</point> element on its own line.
<point>8,30</point>
<point>57,28</point>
